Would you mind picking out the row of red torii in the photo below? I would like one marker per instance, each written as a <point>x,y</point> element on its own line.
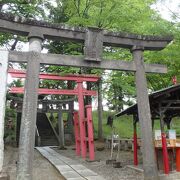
<point>80,122</point>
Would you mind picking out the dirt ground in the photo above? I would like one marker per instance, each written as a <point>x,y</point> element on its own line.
<point>42,169</point>
<point>100,167</point>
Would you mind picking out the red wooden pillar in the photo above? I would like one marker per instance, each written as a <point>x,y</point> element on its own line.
<point>174,80</point>
<point>76,132</point>
<point>90,132</point>
<point>165,153</point>
<point>135,145</point>
<point>82,119</point>
<point>164,144</point>
<point>177,159</point>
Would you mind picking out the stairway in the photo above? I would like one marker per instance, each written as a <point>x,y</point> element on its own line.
<point>47,135</point>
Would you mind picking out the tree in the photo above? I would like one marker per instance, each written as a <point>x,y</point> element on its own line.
<point>127,16</point>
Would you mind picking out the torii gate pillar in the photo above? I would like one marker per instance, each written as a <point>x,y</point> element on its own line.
<point>29,111</point>
<point>3,82</point>
<point>149,162</point>
<point>82,119</point>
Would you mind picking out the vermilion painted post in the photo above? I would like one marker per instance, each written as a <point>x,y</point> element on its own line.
<point>90,132</point>
<point>177,159</point>
<point>165,154</point>
<point>82,119</point>
<point>76,132</point>
<point>135,146</point>
<point>174,80</point>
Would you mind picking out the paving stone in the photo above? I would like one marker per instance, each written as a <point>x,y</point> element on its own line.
<point>57,163</point>
<point>79,178</point>
<point>71,163</point>
<point>46,147</point>
<point>94,178</point>
<point>48,154</point>
<point>70,169</point>
<point>78,167</point>
<point>50,150</point>
<point>87,172</point>
<point>70,174</point>
<point>41,150</point>
<point>60,156</point>
<point>53,153</point>
<point>64,159</point>
<point>44,154</point>
<point>50,158</point>
<point>64,168</point>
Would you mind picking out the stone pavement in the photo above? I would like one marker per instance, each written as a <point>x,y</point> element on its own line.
<point>68,168</point>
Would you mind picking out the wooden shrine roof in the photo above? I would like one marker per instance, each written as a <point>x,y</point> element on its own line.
<point>166,100</point>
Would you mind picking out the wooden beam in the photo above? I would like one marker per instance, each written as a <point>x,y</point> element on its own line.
<point>76,61</point>
<point>166,108</point>
<point>20,90</point>
<point>70,77</point>
<point>171,101</point>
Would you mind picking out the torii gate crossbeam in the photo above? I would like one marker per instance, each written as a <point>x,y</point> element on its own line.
<point>70,77</point>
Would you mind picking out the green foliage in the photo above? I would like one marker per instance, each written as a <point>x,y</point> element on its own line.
<point>128,16</point>
<point>32,9</point>
<point>15,83</point>
<point>175,124</point>
<point>10,125</point>
<point>26,8</point>
<point>124,125</point>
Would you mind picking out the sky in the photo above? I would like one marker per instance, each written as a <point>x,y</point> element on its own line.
<point>167,8</point>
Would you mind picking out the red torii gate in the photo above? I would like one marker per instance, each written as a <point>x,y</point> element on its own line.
<point>80,92</point>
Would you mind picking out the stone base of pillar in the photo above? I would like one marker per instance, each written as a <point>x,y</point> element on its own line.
<point>4,176</point>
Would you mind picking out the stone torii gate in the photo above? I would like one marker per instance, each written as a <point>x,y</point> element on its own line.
<point>93,39</point>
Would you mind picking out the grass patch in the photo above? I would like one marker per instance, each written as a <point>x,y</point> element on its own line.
<point>124,125</point>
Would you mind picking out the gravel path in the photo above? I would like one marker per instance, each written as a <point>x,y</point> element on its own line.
<point>42,168</point>
<point>107,171</point>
